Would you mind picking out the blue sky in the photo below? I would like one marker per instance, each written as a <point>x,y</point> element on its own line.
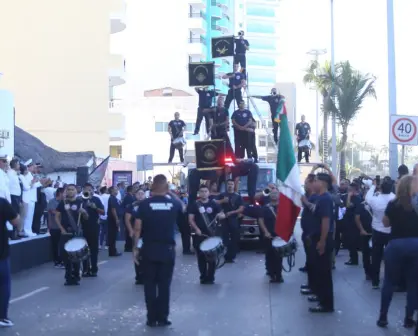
<point>360,37</point>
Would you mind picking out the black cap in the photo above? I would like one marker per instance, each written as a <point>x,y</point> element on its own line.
<point>324,177</point>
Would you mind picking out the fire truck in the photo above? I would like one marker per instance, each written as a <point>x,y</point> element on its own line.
<point>249,229</point>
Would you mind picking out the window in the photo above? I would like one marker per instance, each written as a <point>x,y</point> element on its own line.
<point>115,152</point>
<point>161,126</point>
<point>262,141</point>
<point>190,127</point>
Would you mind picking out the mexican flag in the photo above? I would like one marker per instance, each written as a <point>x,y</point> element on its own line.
<point>288,182</point>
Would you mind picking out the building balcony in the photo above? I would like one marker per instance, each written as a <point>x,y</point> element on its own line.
<point>197,23</point>
<point>197,47</point>
<point>117,131</point>
<point>117,70</point>
<point>216,12</point>
<point>117,16</point>
<point>224,24</point>
<point>223,3</point>
<point>197,4</point>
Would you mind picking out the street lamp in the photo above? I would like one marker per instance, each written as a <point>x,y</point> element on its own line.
<point>334,121</point>
<point>316,53</point>
<point>393,148</point>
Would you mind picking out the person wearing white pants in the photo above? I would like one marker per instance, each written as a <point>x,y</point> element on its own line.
<point>31,198</point>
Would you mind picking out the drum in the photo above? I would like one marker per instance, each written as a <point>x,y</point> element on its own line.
<point>139,247</point>
<point>77,249</point>
<point>214,250</point>
<point>179,142</point>
<point>285,249</point>
<point>305,144</point>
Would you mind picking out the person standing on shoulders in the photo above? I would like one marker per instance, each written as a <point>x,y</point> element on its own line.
<point>176,130</point>
<point>201,215</point>
<point>241,48</point>
<point>156,222</point>
<point>205,101</point>
<point>302,132</point>
<point>7,214</point>
<point>267,223</point>
<point>321,238</point>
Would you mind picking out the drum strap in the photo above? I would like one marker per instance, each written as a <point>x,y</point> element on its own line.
<point>272,211</point>
<point>204,216</point>
<point>72,222</point>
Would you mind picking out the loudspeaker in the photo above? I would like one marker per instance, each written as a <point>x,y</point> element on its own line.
<point>202,74</point>
<point>223,46</point>
<point>82,176</point>
<point>210,154</point>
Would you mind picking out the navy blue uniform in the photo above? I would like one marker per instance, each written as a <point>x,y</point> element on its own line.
<point>204,212</point>
<point>127,201</point>
<point>240,51</point>
<point>236,93</point>
<point>307,224</point>
<point>274,102</point>
<point>205,101</point>
<point>220,115</point>
<point>322,264</point>
<point>158,215</point>
<point>302,131</point>
<point>194,181</point>
<point>250,170</point>
<point>352,233</point>
<point>230,225</point>
<point>242,138</point>
<point>272,258</point>
<point>176,127</point>
<point>91,231</point>
<point>132,209</point>
<point>69,211</point>
<point>113,227</point>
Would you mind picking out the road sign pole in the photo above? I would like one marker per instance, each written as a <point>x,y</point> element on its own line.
<point>393,148</point>
<point>403,154</point>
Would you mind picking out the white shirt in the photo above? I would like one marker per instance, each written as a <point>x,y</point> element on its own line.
<point>33,196</point>
<point>49,193</point>
<point>4,185</point>
<point>378,205</point>
<point>14,183</point>
<point>26,188</point>
<point>105,201</point>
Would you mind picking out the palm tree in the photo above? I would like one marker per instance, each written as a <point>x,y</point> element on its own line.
<point>321,77</point>
<point>350,89</point>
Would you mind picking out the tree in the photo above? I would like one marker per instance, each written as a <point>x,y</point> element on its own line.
<point>321,78</point>
<point>344,93</point>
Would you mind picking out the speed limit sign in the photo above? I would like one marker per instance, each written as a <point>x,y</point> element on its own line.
<point>403,130</point>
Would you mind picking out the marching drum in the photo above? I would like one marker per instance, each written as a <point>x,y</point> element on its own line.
<point>214,250</point>
<point>179,142</point>
<point>285,249</point>
<point>77,249</point>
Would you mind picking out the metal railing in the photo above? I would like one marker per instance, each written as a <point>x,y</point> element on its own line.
<point>197,40</point>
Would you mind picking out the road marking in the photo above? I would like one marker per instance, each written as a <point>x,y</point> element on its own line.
<point>102,262</point>
<point>222,290</point>
<point>25,296</point>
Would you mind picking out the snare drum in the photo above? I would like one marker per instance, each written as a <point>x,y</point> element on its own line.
<point>284,248</point>
<point>77,249</point>
<point>213,249</point>
<point>179,142</point>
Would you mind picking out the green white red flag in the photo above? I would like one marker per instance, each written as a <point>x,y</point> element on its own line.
<point>289,185</point>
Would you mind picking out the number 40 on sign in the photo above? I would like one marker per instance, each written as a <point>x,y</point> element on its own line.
<point>403,130</point>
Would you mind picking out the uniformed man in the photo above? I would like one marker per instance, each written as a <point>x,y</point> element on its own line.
<point>241,47</point>
<point>302,132</point>
<point>322,245</point>
<point>219,125</point>
<point>130,215</point>
<point>231,205</point>
<point>273,100</point>
<point>176,130</point>
<point>242,121</point>
<point>267,223</point>
<point>114,215</point>
<point>91,229</point>
<point>307,224</point>
<point>236,83</point>
<point>352,233</point>
<point>202,220</point>
<point>156,221</point>
<point>205,101</point>
<point>67,218</point>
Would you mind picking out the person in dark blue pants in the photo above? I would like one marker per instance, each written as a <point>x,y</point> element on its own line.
<point>232,205</point>
<point>7,214</point>
<point>156,219</point>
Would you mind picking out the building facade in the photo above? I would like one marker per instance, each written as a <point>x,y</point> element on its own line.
<point>208,19</point>
<point>56,62</point>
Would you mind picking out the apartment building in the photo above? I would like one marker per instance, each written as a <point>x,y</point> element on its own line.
<point>56,62</point>
<point>208,19</point>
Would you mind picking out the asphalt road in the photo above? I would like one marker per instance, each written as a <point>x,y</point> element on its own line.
<point>241,303</point>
